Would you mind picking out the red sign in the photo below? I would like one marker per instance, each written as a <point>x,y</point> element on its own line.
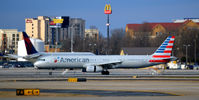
<point>107,9</point>
<point>52,23</point>
<point>28,21</point>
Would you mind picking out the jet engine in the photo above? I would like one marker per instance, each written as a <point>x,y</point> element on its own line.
<point>93,69</point>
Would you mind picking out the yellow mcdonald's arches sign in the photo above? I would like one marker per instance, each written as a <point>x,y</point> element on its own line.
<point>107,9</point>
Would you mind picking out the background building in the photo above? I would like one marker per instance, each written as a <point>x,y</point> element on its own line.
<point>196,20</point>
<point>92,33</point>
<point>150,34</point>
<point>53,30</point>
<point>138,50</point>
<point>38,27</point>
<point>9,40</point>
<point>155,29</point>
<point>77,27</point>
<point>58,29</point>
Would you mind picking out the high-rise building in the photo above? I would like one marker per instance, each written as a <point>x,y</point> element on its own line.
<point>77,27</point>
<point>9,40</point>
<point>58,29</point>
<point>38,27</point>
<point>52,30</point>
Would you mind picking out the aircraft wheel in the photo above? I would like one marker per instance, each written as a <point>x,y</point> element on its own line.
<point>105,72</point>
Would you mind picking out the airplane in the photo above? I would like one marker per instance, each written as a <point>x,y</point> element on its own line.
<point>33,54</point>
<point>89,62</point>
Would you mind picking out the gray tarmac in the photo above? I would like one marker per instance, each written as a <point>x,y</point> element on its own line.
<point>102,90</point>
<point>103,93</point>
<point>34,73</point>
<point>120,84</point>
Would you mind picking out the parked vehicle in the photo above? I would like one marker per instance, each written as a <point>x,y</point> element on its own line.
<point>196,67</point>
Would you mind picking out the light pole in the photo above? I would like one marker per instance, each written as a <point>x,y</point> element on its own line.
<point>195,58</point>
<point>186,53</point>
<point>71,43</point>
<point>56,46</point>
<point>108,11</point>
<point>108,24</point>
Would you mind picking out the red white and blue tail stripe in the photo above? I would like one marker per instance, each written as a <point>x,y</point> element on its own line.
<point>163,53</point>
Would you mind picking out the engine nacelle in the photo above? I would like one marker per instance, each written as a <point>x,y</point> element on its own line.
<point>93,69</point>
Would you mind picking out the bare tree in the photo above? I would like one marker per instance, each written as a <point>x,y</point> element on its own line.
<point>116,40</point>
<point>65,45</point>
<point>187,36</point>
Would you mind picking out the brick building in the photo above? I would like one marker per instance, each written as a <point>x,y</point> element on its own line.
<point>154,29</point>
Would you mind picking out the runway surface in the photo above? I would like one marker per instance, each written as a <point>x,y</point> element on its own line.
<point>99,92</point>
<point>128,90</point>
<point>33,73</point>
<point>120,84</point>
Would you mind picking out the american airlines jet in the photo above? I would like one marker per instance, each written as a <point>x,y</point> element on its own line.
<point>89,62</point>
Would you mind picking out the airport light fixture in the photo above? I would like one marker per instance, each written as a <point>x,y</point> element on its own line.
<point>186,53</point>
<point>71,39</point>
<point>195,53</point>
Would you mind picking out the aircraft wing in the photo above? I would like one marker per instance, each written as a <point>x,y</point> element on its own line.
<point>108,63</point>
<point>29,57</point>
<point>12,56</point>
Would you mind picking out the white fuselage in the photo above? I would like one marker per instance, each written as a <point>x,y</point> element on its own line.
<point>81,61</point>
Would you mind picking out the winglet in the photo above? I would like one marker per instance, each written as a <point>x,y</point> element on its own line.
<point>29,46</point>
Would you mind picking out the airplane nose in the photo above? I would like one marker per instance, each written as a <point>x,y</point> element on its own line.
<point>38,64</point>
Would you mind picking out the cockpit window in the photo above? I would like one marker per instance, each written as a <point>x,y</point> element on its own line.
<point>41,59</point>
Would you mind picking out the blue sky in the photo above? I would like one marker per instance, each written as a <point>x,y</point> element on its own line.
<point>14,12</point>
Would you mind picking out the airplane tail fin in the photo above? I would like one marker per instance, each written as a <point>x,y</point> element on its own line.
<point>165,50</point>
<point>29,46</point>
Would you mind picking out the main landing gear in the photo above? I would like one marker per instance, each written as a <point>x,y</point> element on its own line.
<point>105,72</point>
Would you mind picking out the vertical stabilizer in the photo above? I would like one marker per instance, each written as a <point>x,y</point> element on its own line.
<point>29,46</point>
<point>165,50</point>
